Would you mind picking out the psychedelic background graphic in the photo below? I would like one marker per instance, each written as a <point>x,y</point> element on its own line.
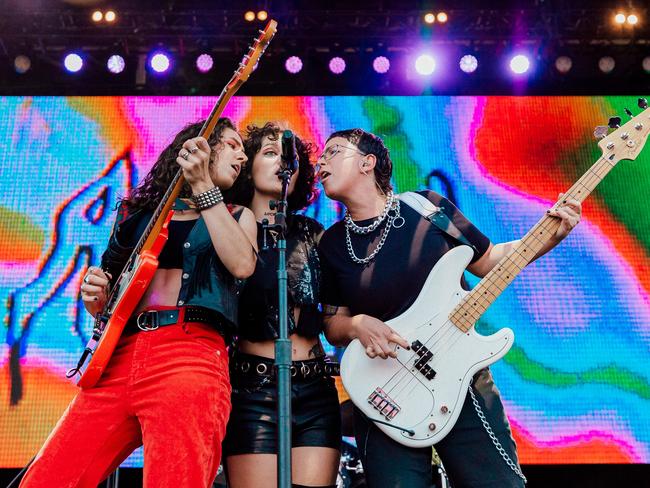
<point>576,384</point>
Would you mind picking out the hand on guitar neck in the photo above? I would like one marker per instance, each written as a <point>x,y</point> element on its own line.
<point>569,213</point>
<point>94,289</point>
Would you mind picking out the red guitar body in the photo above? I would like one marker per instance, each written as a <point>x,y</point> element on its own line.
<point>129,289</point>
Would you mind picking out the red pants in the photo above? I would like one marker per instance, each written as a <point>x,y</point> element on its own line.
<point>167,389</point>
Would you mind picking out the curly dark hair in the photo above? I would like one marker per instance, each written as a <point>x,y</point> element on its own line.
<point>149,193</point>
<point>371,144</point>
<point>305,190</point>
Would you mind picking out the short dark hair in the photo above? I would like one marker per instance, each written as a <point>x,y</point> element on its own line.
<point>305,190</point>
<point>371,144</point>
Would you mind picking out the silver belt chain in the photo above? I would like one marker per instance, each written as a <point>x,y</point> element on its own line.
<point>495,441</point>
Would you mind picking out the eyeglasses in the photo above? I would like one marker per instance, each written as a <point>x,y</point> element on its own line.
<point>334,149</point>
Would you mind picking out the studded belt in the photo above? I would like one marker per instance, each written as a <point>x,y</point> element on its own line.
<point>249,364</point>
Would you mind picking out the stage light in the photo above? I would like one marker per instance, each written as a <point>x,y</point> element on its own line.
<point>645,64</point>
<point>262,15</point>
<point>204,63</point>
<point>337,65</point>
<point>425,64</point>
<point>632,19</point>
<point>116,64</point>
<point>73,62</point>
<point>293,64</point>
<point>22,64</point>
<point>429,18</point>
<point>442,17</point>
<point>249,16</point>
<point>110,16</point>
<point>619,18</point>
<point>468,63</point>
<point>606,64</point>
<point>519,64</point>
<point>159,62</point>
<point>97,16</point>
<point>381,64</point>
<point>563,64</point>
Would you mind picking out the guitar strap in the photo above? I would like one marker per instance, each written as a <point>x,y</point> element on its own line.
<point>435,215</point>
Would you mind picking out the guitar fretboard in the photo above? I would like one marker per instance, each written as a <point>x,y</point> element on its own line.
<point>472,307</point>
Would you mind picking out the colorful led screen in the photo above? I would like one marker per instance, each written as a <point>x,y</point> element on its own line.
<point>576,383</point>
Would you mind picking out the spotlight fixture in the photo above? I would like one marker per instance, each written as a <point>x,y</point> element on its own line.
<point>97,16</point>
<point>159,62</point>
<point>262,15</point>
<point>519,64</point>
<point>425,64</point>
<point>337,65</point>
<point>249,16</point>
<point>619,18</point>
<point>442,17</point>
<point>110,16</point>
<point>22,64</point>
<point>645,64</point>
<point>563,64</point>
<point>204,63</point>
<point>632,19</point>
<point>73,62</point>
<point>381,64</point>
<point>293,64</point>
<point>606,64</point>
<point>468,63</point>
<point>116,64</point>
<point>429,17</point>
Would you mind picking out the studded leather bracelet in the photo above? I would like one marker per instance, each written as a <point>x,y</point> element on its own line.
<point>208,198</point>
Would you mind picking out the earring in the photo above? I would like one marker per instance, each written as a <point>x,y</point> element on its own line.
<point>363,164</point>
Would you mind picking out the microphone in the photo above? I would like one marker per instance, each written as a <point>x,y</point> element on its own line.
<point>289,159</point>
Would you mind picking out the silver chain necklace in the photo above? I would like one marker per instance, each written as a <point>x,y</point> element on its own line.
<point>357,229</point>
<point>391,220</point>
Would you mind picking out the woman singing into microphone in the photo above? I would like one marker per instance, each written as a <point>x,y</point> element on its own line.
<point>250,446</point>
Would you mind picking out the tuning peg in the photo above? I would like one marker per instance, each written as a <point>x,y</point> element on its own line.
<point>628,112</point>
<point>600,131</point>
<point>642,103</point>
<point>614,122</point>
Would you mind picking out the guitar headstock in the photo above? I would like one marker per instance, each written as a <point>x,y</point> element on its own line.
<point>626,141</point>
<point>251,58</point>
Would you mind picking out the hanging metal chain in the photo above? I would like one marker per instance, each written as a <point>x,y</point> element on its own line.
<point>495,441</point>
<point>389,223</point>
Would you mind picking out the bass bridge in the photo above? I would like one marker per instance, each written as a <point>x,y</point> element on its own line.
<point>383,404</point>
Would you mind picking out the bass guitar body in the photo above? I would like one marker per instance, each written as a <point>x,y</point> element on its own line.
<point>418,396</point>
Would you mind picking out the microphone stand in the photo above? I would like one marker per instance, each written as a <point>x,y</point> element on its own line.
<point>282,343</point>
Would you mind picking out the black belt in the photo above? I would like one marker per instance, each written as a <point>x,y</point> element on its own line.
<point>249,364</point>
<point>154,319</point>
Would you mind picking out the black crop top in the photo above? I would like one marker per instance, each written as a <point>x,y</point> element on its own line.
<point>171,256</point>
<point>258,304</point>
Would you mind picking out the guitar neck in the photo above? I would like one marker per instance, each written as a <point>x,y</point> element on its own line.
<point>476,302</point>
<point>164,207</point>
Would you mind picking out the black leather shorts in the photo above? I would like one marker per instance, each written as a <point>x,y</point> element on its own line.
<point>252,428</point>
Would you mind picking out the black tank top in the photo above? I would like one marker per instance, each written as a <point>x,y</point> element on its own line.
<point>171,256</point>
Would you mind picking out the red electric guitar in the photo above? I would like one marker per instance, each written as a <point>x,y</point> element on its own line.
<point>143,262</point>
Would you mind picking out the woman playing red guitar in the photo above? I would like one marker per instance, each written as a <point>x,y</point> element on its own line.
<point>166,385</point>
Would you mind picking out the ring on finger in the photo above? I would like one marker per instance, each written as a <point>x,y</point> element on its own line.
<point>87,279</point>
<point>185,154</point>
<point>194,149</point>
